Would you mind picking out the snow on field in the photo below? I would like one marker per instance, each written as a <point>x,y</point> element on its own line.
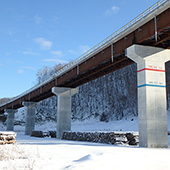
<point>53,154</point>
<point>127,124</point>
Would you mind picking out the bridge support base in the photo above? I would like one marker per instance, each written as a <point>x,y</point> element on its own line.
<point>152,104</point>
<point>30,117</point>
<point>10,119</point>
<point>63,108</point>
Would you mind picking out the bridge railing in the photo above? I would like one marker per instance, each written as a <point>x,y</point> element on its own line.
<point>111,37</point>
<point>87,54</point>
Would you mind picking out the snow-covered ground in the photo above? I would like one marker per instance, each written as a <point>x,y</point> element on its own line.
<point>52,154</point>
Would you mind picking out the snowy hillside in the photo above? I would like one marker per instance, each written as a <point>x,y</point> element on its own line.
<point>91,124</point>
<point>111,97</point>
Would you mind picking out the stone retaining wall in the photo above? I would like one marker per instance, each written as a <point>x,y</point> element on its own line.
<point>114,138</point>
<point>42,134</point>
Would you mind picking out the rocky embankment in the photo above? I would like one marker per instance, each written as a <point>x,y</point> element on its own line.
<point>114,138</point>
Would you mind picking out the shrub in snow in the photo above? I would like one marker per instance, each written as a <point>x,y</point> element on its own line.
<point>15,157</point>
<point>104,117</point>
<point>37,134</point>
<point>3,118</point>
<point>52,134</point>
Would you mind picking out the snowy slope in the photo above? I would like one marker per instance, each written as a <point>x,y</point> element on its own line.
<point>92,124</point>
<point>126,124</point>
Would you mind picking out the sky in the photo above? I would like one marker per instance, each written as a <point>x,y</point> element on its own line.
<point>34,34</point>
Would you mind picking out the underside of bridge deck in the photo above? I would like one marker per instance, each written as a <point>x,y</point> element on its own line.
<point>96,72</point>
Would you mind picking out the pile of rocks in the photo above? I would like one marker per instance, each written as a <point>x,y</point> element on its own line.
<point>114,138</point>
<point>7,138</point>
<point>42,134</point>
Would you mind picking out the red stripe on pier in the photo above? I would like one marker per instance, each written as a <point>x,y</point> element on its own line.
<point>150,69</point>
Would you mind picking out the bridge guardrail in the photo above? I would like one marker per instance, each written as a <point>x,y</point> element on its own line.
<point>93,50</point>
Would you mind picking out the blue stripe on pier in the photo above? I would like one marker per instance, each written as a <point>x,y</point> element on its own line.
<point>152,85</point>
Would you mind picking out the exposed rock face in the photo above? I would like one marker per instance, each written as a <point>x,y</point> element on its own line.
<point>107,98</point>
<point>114,138</point>
<point>110,97</point>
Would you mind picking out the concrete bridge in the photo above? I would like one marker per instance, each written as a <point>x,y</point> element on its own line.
<point>144,40</point>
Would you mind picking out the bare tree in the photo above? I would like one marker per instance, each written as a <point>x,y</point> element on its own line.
<point>4,100</point>
<point>43,73</point>
<point>46,72</point>
<point>58,66</point>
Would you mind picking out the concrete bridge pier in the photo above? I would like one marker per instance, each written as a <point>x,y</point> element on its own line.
<point>152,103</point>
<point>63,108</point>
<point>10,118</point>
<point>30,116</point>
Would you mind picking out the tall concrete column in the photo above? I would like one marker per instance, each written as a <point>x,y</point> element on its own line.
<point>10,118</point>
<point>30,117</point>
<point>152,103</point>
<point>63,108</point>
